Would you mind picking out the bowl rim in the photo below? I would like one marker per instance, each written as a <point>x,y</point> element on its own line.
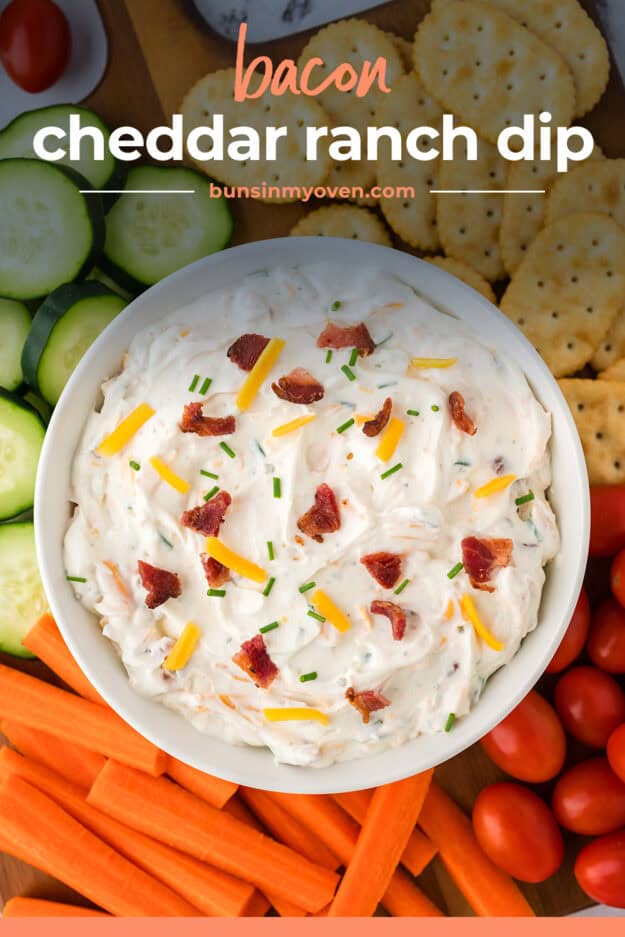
<point>171,731</point>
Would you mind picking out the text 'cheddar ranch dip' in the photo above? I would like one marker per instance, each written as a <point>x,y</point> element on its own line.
<point>311,514</point>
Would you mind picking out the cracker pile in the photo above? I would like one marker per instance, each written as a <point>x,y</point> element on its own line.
<point>557,260</point>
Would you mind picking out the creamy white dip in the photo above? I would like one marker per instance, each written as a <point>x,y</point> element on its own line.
<point>422,511</point>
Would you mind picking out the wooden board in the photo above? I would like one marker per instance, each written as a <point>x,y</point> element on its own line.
<point>149,71</point>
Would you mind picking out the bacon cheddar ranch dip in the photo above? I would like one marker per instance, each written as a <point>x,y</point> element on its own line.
<point>311,514</point>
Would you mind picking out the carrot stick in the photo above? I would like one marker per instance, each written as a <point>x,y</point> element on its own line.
<point>286,829</point>
<point>179,819</point>
<point>419,851</point>
<point>211,891</point>
<point>236,808</point>
<point>41,706</point>
<point>324,818</point>
<point>258,906</point>
<point>46,642</point>
<point>489,891</point>
<point>215,791</point>
<point>38,907</point>
<point>41,833</point>
<point>390,819</point>
<point>78,765</point>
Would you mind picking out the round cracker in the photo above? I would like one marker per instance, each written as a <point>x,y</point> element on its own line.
<point>466,273</point>
<point>569,289</point>
<point>343,221</point>
<point>612,348</point>
<point>591,186</point>
<point>598,408</point>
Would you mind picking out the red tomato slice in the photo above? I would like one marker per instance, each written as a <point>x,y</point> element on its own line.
<point>607,530</point>
<point>529,744</point>
<point>517,831</point>
<point>590,704</point>
<point>600,869</point>
<point>617,577</point>
<point>606,644</point>
<point>616,752</point>
<point>35,43</point>
<point>573,642</point>
<point>590,799</point>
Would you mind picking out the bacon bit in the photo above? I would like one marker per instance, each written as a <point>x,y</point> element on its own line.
<point>384,567</point>
<point>256,662</point>
<point>159,584</point>
<point>367,702</point>
<point>376,424</point>
<point>298,387</point>
<point>462,421</point>
<point>247,349</point>
<point>395,615</point>
<point>216,573</point>
<point>481,557</point>
<point>498,465</point>
<point>194,421</point>
<point>120,585</point>
<point>347,336</point>
<point>323,517</point>
<point>208,518</point>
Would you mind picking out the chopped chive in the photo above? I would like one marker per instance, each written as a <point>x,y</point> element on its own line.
<point>216,593</point>
<point>313,614</point>
<point>525,499</point>
<point>270,550</point>
<point>167,542</point>
<point>270,627</point>
<point>75,579</point>
<point>277,488</point>
<point>344,426</point>
<point>134,465</point>
<point>269,586</point>
<point>412,412</point>
<point>392,471</point>
<point>336,305</point>
<point>329,356</point>
<point>463,462</point>
<point>307,587</point>
<point>451,718</point>
<point>307,677</point>
<point>384,340</point>
<point>435,408</point>
<point>226,448</point>
<point>349,374</point>
<point>204,388</point>
<point>260,448</point>
<point>453,572</point>
<point>400,588</point>
<point>388,384</point>
<point>211,493</point>
<point>194,383</point>
<point>353,358</point>
<point>208,474</point>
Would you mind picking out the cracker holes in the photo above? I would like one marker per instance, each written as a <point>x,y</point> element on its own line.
<point>570,345</point>
<point>555,314</point>
<point>521,322</point>
<point>581,407</point>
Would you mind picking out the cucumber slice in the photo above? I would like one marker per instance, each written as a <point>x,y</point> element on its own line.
<point>49,232</point>
<point>150,236</point>
<point>101,277</point>
<point>16,140</point>
<point>15,325</point>
<point>43,409</point>
<point>21,439</point>
<point>23,599</point>
<point>64,327</point>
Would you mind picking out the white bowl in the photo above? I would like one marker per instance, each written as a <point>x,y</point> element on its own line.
<point>255,766</point>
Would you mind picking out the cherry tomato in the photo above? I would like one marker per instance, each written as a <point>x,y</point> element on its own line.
<point>590,799</point>
<point>616,752</point>
<point>607,511</point>
<point>517,831</point>
<point>530,743</point>
<point>590,704</point>
<point>600,869</point>
<point>35,43</point>
<point>617,577</point>
<point>606,644</point>
<point>572,643</point>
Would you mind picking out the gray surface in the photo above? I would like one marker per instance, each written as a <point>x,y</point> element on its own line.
<point>612,15</point>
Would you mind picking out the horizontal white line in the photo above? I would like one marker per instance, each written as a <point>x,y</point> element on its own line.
<point>138,191</point>
<point>487,191</point>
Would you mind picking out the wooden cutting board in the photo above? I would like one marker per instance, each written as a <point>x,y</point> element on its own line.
<point>159,48</point>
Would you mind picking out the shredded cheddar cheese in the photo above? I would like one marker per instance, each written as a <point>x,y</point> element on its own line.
<point>471,614</point>
<point>326,607</point>
<point>120,585</point>
<point>362,418</point>
<point>293,425</point>
<point>432,362</point>
<point>390,439</point>
<point>169,476</point>
<point>257,376</point>
<point>494,486</point>
<point>296,714</point>
<point>184,648</point>
<point>449,611</point>
<point>238,564</point>
<point>128,427</point>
